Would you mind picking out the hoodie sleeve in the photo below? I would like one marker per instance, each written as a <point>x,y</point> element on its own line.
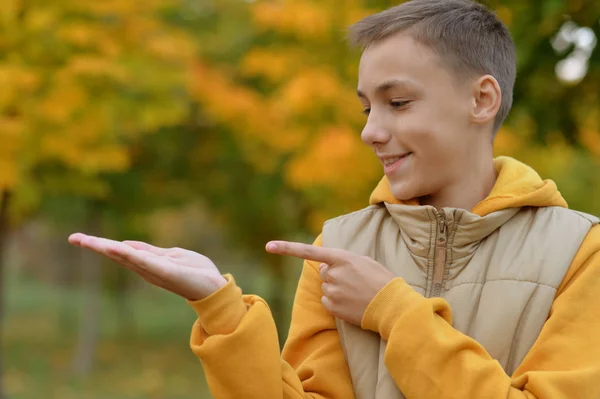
<point>441,362</point>
<point>235,338</point>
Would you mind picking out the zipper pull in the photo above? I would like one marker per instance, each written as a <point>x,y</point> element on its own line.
<point>442,222</point>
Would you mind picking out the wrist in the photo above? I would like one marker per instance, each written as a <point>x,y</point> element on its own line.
<point>218,282</point>
<point>221,312</point>
<point>211,285</point>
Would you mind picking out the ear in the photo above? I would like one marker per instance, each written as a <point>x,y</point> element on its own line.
<point>487,98</point>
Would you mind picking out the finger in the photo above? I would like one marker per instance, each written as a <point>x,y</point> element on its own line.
<point>323,271</point>
<point>75,239</point>
<point>326,302</point>
<point>97,244</point>
<point>139,261</point>
<point>115,250</point>
<point>305,251</point>
<point>146,247</point>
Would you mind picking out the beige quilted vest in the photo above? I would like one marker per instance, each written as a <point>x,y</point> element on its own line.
<point>499,273</point>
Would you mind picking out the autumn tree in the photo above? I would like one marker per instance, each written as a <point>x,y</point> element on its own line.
<point>82,84</point>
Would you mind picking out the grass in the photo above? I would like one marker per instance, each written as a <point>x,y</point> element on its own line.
<point>152,360</point>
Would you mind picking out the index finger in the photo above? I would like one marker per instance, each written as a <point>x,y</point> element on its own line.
<point>119,252</point>
<point>103,246</point>
<point>304,251</point>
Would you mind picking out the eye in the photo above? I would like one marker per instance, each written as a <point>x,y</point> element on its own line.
<point>366,111</point>
<point>399,103</point>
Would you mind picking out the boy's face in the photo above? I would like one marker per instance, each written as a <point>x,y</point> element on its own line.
<point>419,112</point>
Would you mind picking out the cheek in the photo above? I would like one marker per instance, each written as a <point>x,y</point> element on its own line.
<point>428,143</point>
<point>436,152</point>
<point>435,132</point>
<point>441,152</point>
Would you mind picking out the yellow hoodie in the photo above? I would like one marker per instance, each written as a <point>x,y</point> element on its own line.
<point>236,340</point>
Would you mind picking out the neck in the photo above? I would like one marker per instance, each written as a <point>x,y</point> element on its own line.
<point>468,190</point>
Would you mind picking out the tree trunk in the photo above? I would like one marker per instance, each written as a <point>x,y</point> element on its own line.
<point>84,358</point>
<point>3,237</point>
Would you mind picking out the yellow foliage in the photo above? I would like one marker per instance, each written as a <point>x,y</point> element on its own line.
<point>83,34</point>
<point>109,48</point>
<point>62,101</point>
<point>504,14</point>
<point>289,139</point>
<point>138,28</point>
<point>10,130</point>
<point>161,113</point>
<point>354,14</point>
<point>40,18</point>
<point>82,146</point>
<point>316,219</point>
<point>507,141</point>
<point>79,77</point>
<point>15,81</point>
<point>590,128</point>
<point>272,64</point>
<point>91,66</point>
<point>8,174</point>
<point>310,89</point>
<point>591,140</point>
<point>89,129</point>
<point>172,47</point>
<point>240,108</point>
<point>9,10</point>
<point>263,126</point>
<point>302,93</point>
<point>337,159</point>
<point>120,7</point>
<point>10,133</point>
<point>550,160</point>
<point>306,20</point>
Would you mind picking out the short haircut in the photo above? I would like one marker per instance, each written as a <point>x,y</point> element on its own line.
<point>467,36</point>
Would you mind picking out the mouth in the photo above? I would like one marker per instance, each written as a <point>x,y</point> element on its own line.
<point>391,164</point>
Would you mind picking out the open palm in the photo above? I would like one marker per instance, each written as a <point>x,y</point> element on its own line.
<point>185,273</point>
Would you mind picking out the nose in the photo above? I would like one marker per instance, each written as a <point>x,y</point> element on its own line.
<point>374,132</point>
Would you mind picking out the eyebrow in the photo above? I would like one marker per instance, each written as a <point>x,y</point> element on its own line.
<point>388,84</point>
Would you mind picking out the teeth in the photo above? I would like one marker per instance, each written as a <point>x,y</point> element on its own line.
<point>390,161</point>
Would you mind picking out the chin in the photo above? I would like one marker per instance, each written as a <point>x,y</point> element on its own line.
<point>402,192</point>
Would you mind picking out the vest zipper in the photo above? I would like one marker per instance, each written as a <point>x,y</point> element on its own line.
<point>439,261</point>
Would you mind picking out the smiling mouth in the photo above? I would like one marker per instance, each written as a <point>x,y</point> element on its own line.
<point>391,164</point>
<point>391,161</point>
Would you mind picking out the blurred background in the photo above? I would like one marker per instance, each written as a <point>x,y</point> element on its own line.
<point>214,126</point>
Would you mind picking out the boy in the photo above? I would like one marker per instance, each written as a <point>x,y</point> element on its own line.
<point>466,277</point>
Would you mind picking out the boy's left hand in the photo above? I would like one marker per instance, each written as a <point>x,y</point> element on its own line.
<point>350,281</point>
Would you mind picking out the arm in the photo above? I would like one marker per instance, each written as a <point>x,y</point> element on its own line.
<point>235,335</point>
<point>441,362</point>
<point>235,338</point>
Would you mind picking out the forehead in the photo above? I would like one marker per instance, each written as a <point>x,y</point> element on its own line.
<point>399,57</point>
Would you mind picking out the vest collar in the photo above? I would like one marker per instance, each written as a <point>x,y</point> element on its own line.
<point>419,226</point>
